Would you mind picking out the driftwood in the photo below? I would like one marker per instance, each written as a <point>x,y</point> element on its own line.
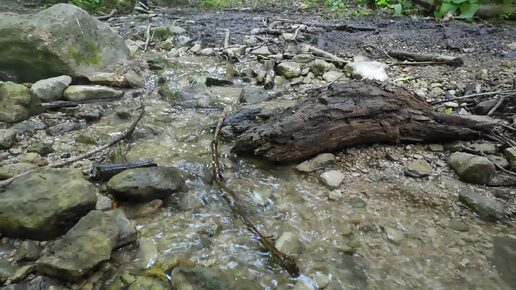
<point>285,261</point>
<point>108,16</point>
<point>444,59</point>
<point>71,160</point>
<point>102,172</point>
<point>347,114</point>
<point>321,53</point>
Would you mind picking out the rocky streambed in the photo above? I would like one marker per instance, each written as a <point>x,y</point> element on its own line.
<point>381,216</point>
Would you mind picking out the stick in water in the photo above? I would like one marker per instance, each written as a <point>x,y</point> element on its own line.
<point>287,262</point>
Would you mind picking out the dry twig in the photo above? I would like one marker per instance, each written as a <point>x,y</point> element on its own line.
<point>287,262</point>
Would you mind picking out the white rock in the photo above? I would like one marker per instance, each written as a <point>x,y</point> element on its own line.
<point>49,90</point>
<point>332,178</point>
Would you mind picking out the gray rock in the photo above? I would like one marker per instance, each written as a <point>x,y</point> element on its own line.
<point>510,154</point>
<point>28,251</point>
<point>199,277</point>
<point>63,128</point>
<point>504,259</point>
<point>16,101</point>
<point>316,163</point>
<point>38,283</point>
<point>145,184</point>
<point>130,79</point>
<point>487,208</point>
<point>254,95</point>
<point>303,58</point>
<point>6,270</point>
<point>319,67</point>
<point>486,148</point>
<point>50,90</point>
<point>176,29</point>
<point>418,168</point>
<point>333,76</point>
<point>7,138</point>
<point>41,148</point>
<point>44,204</point>
<point>484,107</point>
<point>182,41</point>
<point>83,247</point>
<point>127,229</point>
<point>261,51</point>
<point>332,178</point>
<point>436,147</point>
<point>357,202</point>
<point>289,243</point>
<point>471,168</point>
<point>87,93</point>
<point>498,160</point>
<point>104,203</point>
<point>289,69</point>
<point>60,40</point>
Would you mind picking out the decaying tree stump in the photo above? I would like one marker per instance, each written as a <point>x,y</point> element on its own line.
<point>343,115</point>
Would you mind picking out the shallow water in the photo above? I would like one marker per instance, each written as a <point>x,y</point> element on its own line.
<point>379,230</point>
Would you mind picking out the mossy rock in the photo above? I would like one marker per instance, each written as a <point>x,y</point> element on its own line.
<point>17,102</point>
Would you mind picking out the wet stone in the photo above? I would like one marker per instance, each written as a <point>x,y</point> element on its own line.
<point>63,128</point>
<point>199,277</point>
<point>130,281</point>
<point>28,251</point>
<point>43,204</point>
<point>357,202</point>
<point>487,208</point>
<point>147,254</point>
<point>145,184</point>
<point>127,228</point>
<point>83,247</point>
<point>418,168</point>
<point>394,235</point>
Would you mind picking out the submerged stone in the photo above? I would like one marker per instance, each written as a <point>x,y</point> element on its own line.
<point>488,208</point>
<point>316,163</point>
<point>504,259</point>
<point>46,203</point>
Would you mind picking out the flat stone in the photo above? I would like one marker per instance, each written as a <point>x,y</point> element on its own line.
<point>46,203</point>
<point>332,178</point>
<point>289,243</point>
<point>51,90</point>
<point>261,51</point>
<point>487,208</point>
<point>486,148</point>
<point>333,76</point>
<point>316,163</point>
<point>82,248</point>
<point>7,138</point>
<point>418,168</point>
<point>82,93</point>
<point>289,69</point>
<point>471,168</point>
<point>146,184</point>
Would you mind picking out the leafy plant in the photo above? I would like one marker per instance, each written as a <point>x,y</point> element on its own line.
<point>467,8</point>
<point>89,5</point>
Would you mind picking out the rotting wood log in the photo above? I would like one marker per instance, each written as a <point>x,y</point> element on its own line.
<point>347,114</point>
<point>444,59</point>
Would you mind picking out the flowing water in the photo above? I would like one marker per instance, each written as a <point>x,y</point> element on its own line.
<point>379,230</point>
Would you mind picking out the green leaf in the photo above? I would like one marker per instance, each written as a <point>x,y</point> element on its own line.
<point>448,110</point>
<point>397,9</point>
<point>459,1</point>
<point>445,8</point>
<point>468,10</point>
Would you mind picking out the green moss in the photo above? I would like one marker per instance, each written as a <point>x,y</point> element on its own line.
<point>89,55</point>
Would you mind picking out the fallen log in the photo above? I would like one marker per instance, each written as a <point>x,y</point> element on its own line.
<point>347,114</point>
<point>103,172</point>
<point>444,59</point>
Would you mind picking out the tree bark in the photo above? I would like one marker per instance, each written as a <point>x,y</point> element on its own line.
<point>343,115</point>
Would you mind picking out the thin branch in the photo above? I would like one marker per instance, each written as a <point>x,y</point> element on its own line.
<point>287,262</point>
<point>124,135</point>
<point>474,95</point>
<point>149,36</point>
<point>108,16</point>
<point>498,104</point>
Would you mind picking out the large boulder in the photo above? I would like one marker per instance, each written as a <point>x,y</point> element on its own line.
<point>62,39</point>
<point>82,248</point>
<point>16,101</point>
<point>45,204</point>
<point>472,168</point>
<point>146,184</point>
